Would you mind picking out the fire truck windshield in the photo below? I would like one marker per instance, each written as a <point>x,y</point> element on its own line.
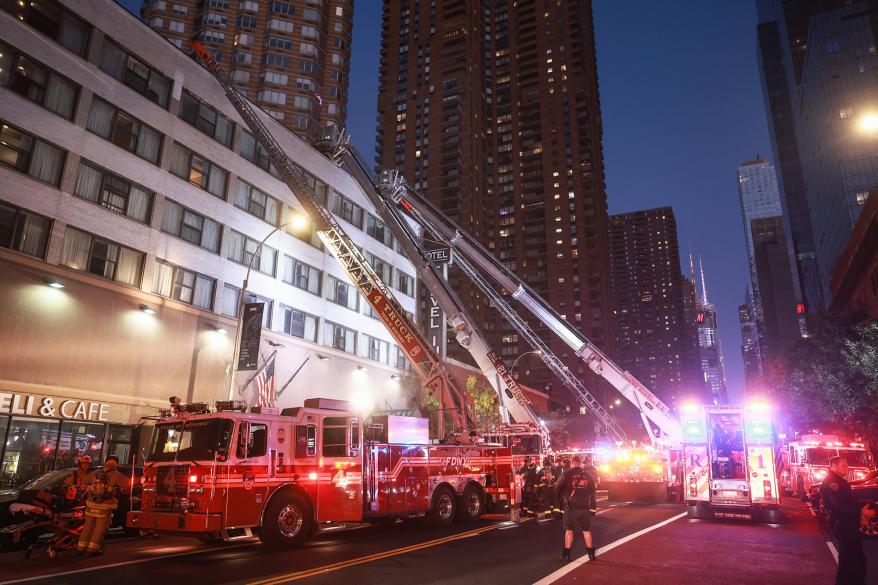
<point>525,444</point>
<point>819,455</point>
<point>191,440</point>
<point>856,457</point>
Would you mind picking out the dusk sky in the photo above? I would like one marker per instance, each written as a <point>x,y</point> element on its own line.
<point>682,106</point>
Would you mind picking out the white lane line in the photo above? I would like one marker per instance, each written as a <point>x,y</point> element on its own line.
<point>833,550</point>
<point>551,578</point>
<point>813,513</point>
<point>126,563</point>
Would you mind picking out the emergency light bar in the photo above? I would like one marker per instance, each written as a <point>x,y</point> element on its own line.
<point>231,406</point>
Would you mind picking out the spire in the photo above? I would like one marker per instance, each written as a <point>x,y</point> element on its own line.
<point>691,267</point>
<point>703,284</point>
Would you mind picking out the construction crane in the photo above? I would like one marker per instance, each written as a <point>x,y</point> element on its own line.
<point>426,364</point>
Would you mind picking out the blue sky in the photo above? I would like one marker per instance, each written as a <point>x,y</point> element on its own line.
<point>682,106</point>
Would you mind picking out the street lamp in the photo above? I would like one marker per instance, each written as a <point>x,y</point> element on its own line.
<point>869,123</point>
<point>297,219</point>
<point>535,352</point>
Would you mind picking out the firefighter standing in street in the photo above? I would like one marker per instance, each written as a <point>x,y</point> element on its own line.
<point>546,483</point>
<point>529,492</point>
<point>588,467</point>
<point>103,498</point>
<point>576,488</point>
<point>844,521</point>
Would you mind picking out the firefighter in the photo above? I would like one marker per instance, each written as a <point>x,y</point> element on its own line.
<point>845,514</point>
<point>529,491</point>
<point>81,476</point>
<point>576,489</point>
<point>588,467</point>
<point>546,483</point>
<point>108,485</point>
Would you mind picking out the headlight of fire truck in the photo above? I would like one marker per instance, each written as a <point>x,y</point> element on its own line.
<point>819,474</point>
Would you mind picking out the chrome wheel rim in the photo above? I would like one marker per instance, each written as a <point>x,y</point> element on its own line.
<point>473,504</point>
<point>290,520</point>
<point>445,506</point>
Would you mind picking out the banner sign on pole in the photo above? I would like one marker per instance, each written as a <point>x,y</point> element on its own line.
<point>251,333</point>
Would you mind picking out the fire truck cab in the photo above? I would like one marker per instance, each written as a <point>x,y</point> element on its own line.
<point>728,462</point>
<point>282,476</point>
<point>805,461</point>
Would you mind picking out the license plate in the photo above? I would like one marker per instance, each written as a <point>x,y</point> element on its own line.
<point>729,494</point>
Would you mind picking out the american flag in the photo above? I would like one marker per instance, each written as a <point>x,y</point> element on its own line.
<point>265,385</point>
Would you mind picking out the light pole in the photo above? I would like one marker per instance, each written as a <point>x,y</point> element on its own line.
<point>535,352</point>
<point>298,222</point>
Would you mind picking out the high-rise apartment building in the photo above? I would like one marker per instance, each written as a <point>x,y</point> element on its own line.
<point>817,62</point>
<point>126,230</point>
<point>655,341</point>
<point>759,196</point>
<point>290,58</point>
<point>491,109</point>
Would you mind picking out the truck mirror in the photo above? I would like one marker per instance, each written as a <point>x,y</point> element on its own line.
<point>243,440</point>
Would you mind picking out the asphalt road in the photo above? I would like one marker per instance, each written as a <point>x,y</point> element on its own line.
<point>638,544</point>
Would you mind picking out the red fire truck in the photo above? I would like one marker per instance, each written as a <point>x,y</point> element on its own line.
<point>282,476</point>
<point>805,462</point>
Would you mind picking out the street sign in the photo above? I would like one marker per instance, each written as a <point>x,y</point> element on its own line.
<point>251,333</point>
<point>442,254</point>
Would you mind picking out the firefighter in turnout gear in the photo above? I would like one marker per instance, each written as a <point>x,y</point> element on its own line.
<point>528,473</point>
<point>102,500</point>
<point>546,479</point>
<point>588,467</point>
<point>81,476</point>
<point>845,513</point>
<point>576,487</point>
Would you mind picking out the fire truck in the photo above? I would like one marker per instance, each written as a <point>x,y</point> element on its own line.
<point>283,475</point>
<point>728,462</point>
<point>805,461</point>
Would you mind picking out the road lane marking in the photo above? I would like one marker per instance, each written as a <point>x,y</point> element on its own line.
<point>551,578</point>
<point>126,563</point>
<point>295,576</point>
<point>833,550</point>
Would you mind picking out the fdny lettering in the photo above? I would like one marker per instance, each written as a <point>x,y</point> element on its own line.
<point>456,461</point>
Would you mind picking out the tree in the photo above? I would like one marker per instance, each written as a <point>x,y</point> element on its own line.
<point>830,378</point>
<point>485,402</point>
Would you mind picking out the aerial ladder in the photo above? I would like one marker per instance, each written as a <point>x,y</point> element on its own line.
<point>426,364</point>
<point>475,261</point>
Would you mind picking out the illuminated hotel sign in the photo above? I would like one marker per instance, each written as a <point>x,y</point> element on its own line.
<point>52,407</point>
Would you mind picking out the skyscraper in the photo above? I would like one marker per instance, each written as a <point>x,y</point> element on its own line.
<point>491,109</point>
<point>655,341</point>
<point>749,341</point>
<point>291,58</point>
<point>710,348</point>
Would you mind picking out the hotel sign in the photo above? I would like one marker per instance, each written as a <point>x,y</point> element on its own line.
<point>52,407</point>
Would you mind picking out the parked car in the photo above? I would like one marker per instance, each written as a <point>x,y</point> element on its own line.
<point>865,492</point>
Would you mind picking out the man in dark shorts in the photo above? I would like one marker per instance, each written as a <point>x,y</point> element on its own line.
<point>576,488</point>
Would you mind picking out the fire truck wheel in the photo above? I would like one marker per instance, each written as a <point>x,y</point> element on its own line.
<point>471,504</point>
<point>287,521</point>
<point>444,507</point>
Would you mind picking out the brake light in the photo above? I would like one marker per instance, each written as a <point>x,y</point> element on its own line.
<point>766,485</point>
<point>693,486</point>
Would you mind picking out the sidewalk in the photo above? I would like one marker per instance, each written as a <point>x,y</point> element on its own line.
<point>713,552</point>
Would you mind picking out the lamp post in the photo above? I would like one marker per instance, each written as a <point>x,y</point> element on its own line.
<point>298,222</point>
<point>535,352</point>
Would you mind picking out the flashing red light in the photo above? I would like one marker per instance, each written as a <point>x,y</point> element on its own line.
<point>193,479</point>
<point>800,309</point>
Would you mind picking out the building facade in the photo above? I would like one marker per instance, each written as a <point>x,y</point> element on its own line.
<point>654,339</point>
<point>491,109</point>
<point>126,230</point>
<point>749,341</point>
<point>855,282</point>
<point>710,348</point>
<point>291,58</point>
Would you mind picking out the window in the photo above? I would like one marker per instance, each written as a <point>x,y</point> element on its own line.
<point>285,8</point>
<point>23,231</point>
<point>304,83</point>
<point>179,10</point>
<point>183,285</point>
<point>242,58</point>
<point>275,78</point>
<point>384,269</point>
<point>374,349</point>
<point>272,97</point>
<point>37,83</point>
<point>303,102</point>
<point>339,337</point>
<point>310,32</point>
<point>299,324</point>
<point>302,275</point>
<point>337,59</point>
<point>176,26</point>
<point>53,20</point>
<point>241,250</point>
<point>28,154</point>
<point>342,293</point>
<point>124,130</point>
<point>306,441</point>
<point>376,228</point>
<point>206,119</point>
<point>400,361</point>
<point>348,210</point>
<point>250,5</point>
<point>307,49</point>
<point>212,37</point>
<point>308,235</point>
<point>113,192</point>
<point>280,25</point>
<point>255,202</point>
<point>253,151</point>
<point>405,283</point>
<point>278,43</point>
<point>134,73</point>
<point>190,226</point>
<point>199,171</point>
<point>214,19</point>
<point>82,251</point>
<point>300,121</point>
<point>311,15</point>
<point>231,297</point>
<point>246,22</point>
<point>276,60</point>
<point>252,440</point>
<point>306,66</point>
<point>237,75</point>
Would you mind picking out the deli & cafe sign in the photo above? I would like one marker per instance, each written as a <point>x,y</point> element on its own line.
<point>52,407</point>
